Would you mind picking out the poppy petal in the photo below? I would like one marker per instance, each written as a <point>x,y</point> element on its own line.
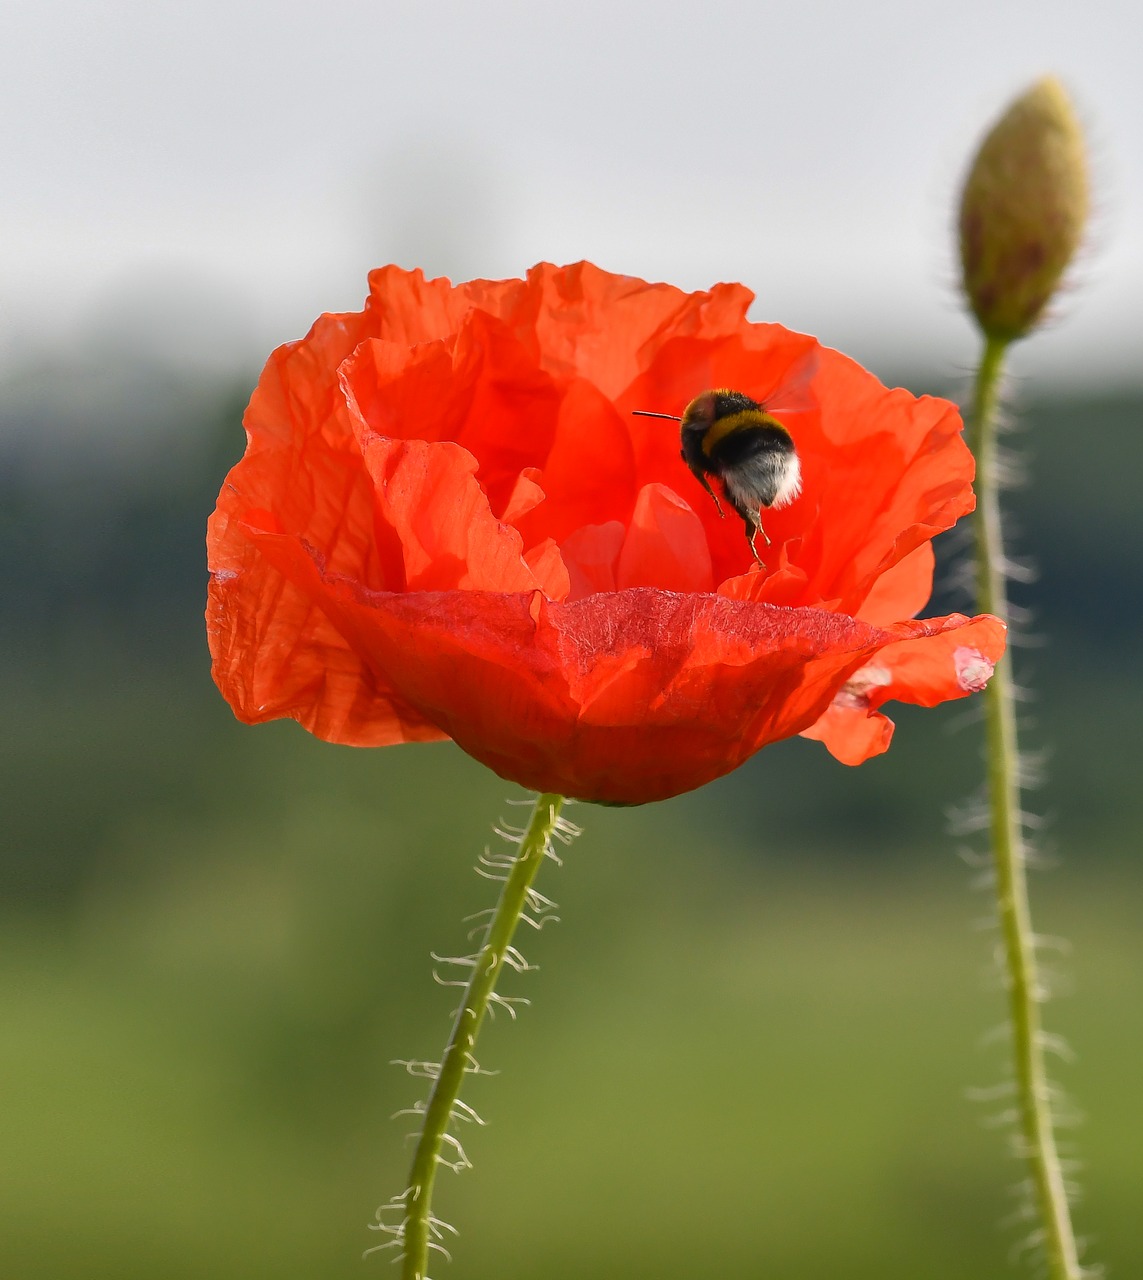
<point>592,556</point>
<point>665,545</point>
<point>903,590</point>
<point>954,657</point>
<point>448,523</point>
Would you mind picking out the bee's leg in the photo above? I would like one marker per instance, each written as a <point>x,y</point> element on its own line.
<point>700,475</point>
<point>706,486</point>
<point>757,522</point>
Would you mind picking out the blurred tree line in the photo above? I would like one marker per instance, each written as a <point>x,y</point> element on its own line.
<point>107,475</point>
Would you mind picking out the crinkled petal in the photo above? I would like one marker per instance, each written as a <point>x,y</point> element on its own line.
<point>577,321</point>
<point>480,389</point>
<point>950,658</point>
<point>433,519</point>
<point>277,653</point>
<point>623,698</point>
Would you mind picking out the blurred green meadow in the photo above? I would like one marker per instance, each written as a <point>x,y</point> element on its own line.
<point>753,1033</point>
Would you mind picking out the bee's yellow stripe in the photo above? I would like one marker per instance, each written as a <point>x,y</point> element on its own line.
<point>745,420</point>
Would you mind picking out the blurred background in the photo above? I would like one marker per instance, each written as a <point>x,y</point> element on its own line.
<point>754,1029</point>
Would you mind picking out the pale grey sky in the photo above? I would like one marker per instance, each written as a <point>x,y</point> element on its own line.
<point>249,160</point>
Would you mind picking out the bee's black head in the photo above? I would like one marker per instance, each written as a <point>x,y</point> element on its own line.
<point>703,411</point>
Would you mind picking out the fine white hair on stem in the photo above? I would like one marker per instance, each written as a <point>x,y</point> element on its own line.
<point>975,859</point>
<point>417,1109</point>
<point>1056,1044</point>
<point>538,923</point>
<point>564,831</point>
<point>454,1142</point>
<point>496,861</point>
<point>508,833</point>
<point>464,962</point>
<point>982,881</point>
<point>480,871</point>
<point>418,1067</point>
<point>969,816</point>
<point>473,1068</point>
<point>462,1111</point>
<point>1033,1242</point>
<point>1001,1119</point>
<point>1050,942</point>
<point>1001,1033</point>
<point>497,1001</point>
<point>448,982</point>
<point>1023,1213</point>
<point>514,960</point>
<point>969,715</point>
<point>398,1243</point>
<point>991,1093</point>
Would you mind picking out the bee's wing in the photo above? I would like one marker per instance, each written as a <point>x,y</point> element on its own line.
<point>793,388</point>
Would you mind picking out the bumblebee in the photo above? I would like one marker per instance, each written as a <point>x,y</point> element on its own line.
<point>728,435</point>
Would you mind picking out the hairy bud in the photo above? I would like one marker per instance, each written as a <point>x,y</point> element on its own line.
<point>1023,210</point>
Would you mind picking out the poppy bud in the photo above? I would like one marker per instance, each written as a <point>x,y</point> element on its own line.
<point>1023,210</point>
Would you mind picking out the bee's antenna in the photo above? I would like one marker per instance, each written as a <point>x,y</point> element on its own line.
<point>646,413</point>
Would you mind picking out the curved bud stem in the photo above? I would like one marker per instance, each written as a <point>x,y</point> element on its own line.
<point>1038,1140</point>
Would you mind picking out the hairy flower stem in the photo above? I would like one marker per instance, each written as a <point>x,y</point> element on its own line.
<point>1025,992</point>
<point>458,1058</point>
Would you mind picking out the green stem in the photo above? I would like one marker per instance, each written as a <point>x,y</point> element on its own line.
<point>458,1058</point>
<point>1024,987</point>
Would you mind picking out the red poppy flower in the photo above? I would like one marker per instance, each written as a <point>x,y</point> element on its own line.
<point>448,523</point>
